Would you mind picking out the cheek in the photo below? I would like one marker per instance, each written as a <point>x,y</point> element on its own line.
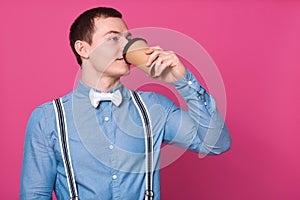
<point>104,54</point>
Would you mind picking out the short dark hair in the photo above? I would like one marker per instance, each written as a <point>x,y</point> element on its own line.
<point>83,27</point>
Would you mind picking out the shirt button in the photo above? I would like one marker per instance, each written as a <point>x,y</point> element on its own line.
<point>106,119</point>
<point>111,147</point>
<point>190,82</point>
<point>114,177</point>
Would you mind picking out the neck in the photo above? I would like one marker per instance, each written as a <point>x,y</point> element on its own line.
<point>99,81</point>
<point>103,84</point>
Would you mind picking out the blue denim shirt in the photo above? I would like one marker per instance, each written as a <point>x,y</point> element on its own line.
<point>107,143</point>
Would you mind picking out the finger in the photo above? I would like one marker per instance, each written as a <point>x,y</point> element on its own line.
<point>169,63</point>
<point>172,60</point>
<point>153,56</point>
<point>154,67</point>
<point>160,69</point>
<point>151,49</point>
<point>157,68</point>
<point>168,60</point>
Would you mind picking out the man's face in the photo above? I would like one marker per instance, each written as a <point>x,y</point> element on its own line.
<point>110,37</point>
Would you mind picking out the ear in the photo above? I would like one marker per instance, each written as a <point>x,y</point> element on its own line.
<point>82,48</point>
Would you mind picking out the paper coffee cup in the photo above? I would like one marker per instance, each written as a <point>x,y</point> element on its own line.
<point>134,53</point>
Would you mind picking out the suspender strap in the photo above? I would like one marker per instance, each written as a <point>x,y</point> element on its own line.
<point>64,146</point>
<point>138,102</point>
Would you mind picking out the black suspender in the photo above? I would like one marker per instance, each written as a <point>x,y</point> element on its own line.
<point>64,145</point>
<point>138,102</point>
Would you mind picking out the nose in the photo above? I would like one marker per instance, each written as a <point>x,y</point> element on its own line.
<point>123,42</point>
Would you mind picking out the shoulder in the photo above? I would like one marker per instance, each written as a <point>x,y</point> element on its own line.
<point>42,121</point>
<point>155,99</point>
<point>46,110</point>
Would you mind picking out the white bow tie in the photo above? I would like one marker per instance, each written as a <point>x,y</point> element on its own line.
<point>96,97</point>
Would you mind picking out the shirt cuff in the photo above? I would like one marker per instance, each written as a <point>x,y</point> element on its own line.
<point>189,86</point>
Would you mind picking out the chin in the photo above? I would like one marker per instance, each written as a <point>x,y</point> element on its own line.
<point>119,69</point>
<point>127,73</point>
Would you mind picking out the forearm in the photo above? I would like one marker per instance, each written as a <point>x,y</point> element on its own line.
<point>212,134</point>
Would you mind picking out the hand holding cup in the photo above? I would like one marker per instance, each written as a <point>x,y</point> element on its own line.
<point>157,63</point>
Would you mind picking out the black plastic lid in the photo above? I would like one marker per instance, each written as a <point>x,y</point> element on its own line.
<point>130,42</point>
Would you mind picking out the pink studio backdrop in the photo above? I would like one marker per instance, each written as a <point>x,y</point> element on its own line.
<point>255,45</point>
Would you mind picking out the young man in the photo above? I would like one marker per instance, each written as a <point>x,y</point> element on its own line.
<point>106,137</point>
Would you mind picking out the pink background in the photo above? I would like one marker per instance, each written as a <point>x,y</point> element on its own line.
<point>256,46</point>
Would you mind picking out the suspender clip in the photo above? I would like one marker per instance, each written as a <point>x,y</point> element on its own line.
<point>149,193</point>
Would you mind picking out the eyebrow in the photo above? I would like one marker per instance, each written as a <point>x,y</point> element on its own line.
<point>128,34</point>
<point>110,32</point>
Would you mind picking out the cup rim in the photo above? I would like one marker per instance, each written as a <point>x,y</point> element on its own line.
<point>130,42</point>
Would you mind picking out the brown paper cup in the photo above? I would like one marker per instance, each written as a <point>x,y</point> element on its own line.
<point>134,53</point>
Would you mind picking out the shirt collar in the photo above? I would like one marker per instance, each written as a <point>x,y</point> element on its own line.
<point>83,89</point>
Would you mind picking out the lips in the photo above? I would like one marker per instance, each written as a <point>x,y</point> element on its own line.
<point>121,58</point>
